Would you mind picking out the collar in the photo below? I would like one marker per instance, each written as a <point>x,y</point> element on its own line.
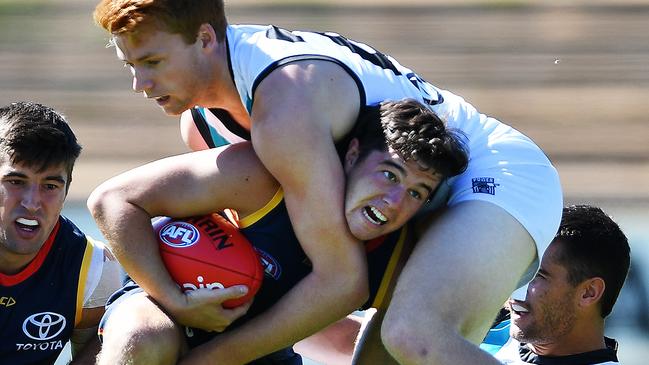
<point>586,358</point>
<point>35,264</point>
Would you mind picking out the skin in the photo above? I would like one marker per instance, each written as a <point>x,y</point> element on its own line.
<point>30,205</point>
<point>314,178</point>
<point>286,125</point>
<point>234,178</point>
<point>558,318</point>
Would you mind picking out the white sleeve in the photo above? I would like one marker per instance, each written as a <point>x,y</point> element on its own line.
<point>103,277</point>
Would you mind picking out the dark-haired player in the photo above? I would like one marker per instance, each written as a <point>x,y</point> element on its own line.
<point>561,319</point>
<point>54,280</point>
<point>294,95</point>
<point>397,158</point>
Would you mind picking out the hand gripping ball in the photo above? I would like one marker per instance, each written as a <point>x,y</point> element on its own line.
<point>208,252</point>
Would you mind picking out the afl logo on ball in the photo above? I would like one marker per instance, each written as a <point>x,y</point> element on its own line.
<point>179,234</point>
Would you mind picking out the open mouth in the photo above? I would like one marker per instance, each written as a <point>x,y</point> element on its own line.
<point>375,216</point>
<point>518,309</point>
<point>27,224</point>
<point>162,99</point>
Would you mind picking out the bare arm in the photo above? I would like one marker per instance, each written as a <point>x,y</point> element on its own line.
<point>299,111</point>
<point>84,341</point>
<point>232,177</point>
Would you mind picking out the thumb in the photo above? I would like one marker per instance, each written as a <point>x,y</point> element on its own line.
<point>217,296</point>
<point>232,292</point>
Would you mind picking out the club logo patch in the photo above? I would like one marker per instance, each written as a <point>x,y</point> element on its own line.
<point>270,265</point>
<point>484,185</point>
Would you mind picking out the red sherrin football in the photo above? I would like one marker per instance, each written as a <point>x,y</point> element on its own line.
<point>208,252</point>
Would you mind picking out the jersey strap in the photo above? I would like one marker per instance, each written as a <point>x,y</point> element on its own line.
<point>202,126</point>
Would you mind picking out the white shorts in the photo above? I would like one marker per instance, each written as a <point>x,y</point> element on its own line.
<point>507,169</point>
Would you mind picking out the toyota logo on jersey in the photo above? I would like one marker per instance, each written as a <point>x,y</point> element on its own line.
<point>179,234</point>
<point>43,326</point>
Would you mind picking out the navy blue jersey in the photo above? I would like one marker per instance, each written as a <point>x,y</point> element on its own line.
<point>40,306</point>
<point>270,231</point>
<point>285,263</point>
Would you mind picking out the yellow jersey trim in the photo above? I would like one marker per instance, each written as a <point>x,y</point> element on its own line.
<point>83,278</point>
<point>389,270</point>
<point>254,217</point>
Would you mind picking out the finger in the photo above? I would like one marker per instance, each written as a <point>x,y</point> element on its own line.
<point>232,292</point>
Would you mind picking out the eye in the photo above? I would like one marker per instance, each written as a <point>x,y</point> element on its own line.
<point>152,63</point>
<point>51,186</point>
<point>15,182</point>
<point>390,176</point>
<point>415,194</point>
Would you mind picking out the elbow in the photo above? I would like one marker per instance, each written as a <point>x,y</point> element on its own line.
<point>96,202</point>
<point>105,199</point>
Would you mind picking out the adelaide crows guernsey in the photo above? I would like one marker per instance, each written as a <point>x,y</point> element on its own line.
<point>285,263</point>
<point>40,306</point>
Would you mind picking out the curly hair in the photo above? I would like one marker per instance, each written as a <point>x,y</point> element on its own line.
<point>416,133</point>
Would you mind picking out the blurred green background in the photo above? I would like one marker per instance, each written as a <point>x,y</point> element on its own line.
<point>573,75</point>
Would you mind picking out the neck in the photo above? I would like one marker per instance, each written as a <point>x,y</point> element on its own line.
<point>12,264</point>
<point>584,337</point>
<point>221,91</point>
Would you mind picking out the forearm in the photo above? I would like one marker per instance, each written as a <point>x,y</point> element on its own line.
<point>310,306</point>
<point>133,243</point>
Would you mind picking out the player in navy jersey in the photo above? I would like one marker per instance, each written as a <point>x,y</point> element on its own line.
<point>54,280</point>
<point>562,319</point>
<point>294,95</point>
<point>398,156</point>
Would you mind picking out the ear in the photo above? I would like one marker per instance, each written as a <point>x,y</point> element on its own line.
<point>352,154</point>
<point>591,291</point>
<point>206,37</point>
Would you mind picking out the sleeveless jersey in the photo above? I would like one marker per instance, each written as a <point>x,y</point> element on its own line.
<point>270,231</point>
<point>40,306</point>
<point>254,51</point>
<point>285,263</point>
<point>507,350</point>
<point>505,168</point>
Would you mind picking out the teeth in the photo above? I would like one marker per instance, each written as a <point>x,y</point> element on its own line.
<point>377,217</point>
<point>27,222</point>
<point>518,308</point>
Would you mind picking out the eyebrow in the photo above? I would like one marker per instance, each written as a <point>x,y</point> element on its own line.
<point>405,172</point>
<point>139,59</point>
<point>57,178</point>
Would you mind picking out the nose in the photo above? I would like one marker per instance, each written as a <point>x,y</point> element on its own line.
<point>394,196</point>
<point>142,82</point>
<point>32,198</point>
